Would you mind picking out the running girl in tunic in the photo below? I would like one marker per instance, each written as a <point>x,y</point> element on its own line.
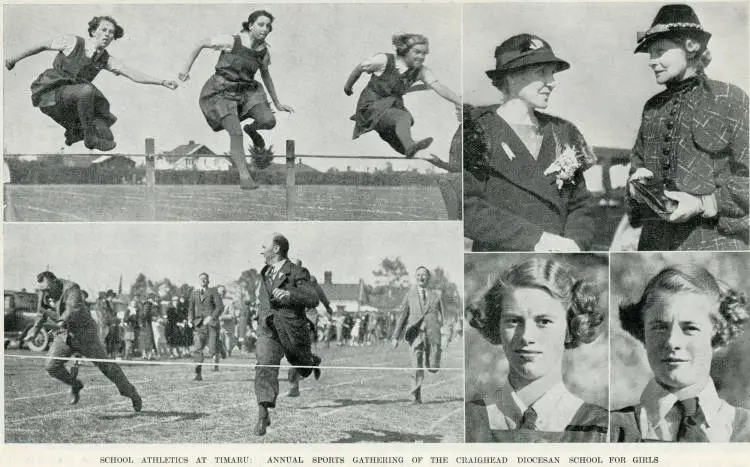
<point>65,93</point>
<point>381,104</point>
<point>232,94</point>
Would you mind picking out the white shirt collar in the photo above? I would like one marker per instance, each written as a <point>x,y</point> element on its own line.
<point>661,422</point>
<point>276,267</point>
<point>554,404</point>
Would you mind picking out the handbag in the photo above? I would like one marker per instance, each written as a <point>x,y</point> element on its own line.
<point>650,192</point>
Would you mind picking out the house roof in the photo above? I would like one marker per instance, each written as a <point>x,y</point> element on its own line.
<point>191,148</point>
<point>275,167</point>
<point>102,159</point>
<point>341,291</point>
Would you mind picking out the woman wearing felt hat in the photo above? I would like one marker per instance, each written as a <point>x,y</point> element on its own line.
<point>523,187</point>
<point>689,175</point>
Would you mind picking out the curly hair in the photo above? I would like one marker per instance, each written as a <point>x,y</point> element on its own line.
<point>254,17</point>
<point>695,46</point>
<point>580,299</point>
<point>404,42</point>
<point>97,20</point>
<point>728,319</point>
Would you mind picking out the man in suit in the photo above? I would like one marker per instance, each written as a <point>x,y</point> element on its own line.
<point>77,334</point>
<point>419,324</point>
<point>204,308</point>
<point>284,294</point>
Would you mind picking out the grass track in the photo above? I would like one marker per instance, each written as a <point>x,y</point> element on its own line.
<point>344,406</point>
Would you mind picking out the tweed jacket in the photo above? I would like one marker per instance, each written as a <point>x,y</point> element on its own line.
<point>208,304</point>
<point>415,316</point>
<point>694,137</point>
<point>509,202</point>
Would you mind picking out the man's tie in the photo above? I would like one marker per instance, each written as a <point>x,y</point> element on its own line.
<point>424,297</point>
<point>690,430</point>
<point>528,420</point>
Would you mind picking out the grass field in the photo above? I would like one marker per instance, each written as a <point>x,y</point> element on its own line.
<point>101,203</point>
<point>344,406</point>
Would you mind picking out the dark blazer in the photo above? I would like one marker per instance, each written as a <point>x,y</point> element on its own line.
<point>510,203</point>
<point>694,136</point>
<point>413,314</point>
<point>210,304</point>
<point>294,279</point>
<point>588,425</point>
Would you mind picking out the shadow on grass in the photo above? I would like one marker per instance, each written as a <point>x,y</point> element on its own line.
<point>339,403</point>
<point>181,416</point>
<point>386,436</point>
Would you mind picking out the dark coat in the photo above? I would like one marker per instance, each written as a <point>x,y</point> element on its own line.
<point>694,137</point>
<point>509,203</point>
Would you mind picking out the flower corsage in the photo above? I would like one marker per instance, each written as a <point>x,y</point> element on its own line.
<point>565,166</point>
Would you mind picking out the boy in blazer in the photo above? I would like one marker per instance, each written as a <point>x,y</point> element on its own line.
<point>419,324</point>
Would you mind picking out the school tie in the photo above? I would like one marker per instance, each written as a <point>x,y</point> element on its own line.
<point>689,430</point>
<point>528,420</point>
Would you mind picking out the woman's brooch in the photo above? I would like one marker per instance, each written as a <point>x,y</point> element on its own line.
<point>565,166</point>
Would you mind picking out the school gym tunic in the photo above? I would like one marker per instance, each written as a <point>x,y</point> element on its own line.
<point>232,89</point>
<point>383,93</point>
<point>562,418</point>
<point>657,419</point>
<point>694,136</point>
<point>72,69</point>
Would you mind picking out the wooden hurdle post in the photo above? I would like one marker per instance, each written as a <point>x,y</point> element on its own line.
<point>150,178</point>
<point>291,187</point>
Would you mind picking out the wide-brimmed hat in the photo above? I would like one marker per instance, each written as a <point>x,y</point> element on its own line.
<point>521,51</point>
<point>669,20</point>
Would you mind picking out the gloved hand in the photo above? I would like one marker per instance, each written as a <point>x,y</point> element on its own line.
<point>688,206</point>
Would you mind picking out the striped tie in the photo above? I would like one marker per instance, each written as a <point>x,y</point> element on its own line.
<point>690,430</point>
<point>528,420</point>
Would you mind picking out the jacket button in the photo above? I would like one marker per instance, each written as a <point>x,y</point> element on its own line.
<point>670,124</point>
<point>666,150</point>
<point>668,137</point>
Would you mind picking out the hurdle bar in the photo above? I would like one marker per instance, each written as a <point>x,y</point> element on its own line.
<point>150,156</point>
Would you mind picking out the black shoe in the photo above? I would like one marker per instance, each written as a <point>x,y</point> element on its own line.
<point>418,146</point>
<point>293,392</point>
<point>316,370</point>
<point>137,402</point>
<point>75,392</point>
<point>198,375</point>
<point>264,420</point>
<point>417,393</point>
<point>256,138</point>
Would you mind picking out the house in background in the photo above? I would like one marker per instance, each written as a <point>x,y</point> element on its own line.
<point>345,297</point>
<point>116,163</point>
<point>188,157</point>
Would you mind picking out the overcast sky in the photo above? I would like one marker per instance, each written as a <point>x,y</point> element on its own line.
<point>313,50</point>
<point>604,90</point>
<point>94,255</point>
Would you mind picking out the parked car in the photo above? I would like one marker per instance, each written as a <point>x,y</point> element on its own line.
<point>20,315</point>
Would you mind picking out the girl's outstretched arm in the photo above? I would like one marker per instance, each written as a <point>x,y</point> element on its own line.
<point>268,82</point>
<point>137,76</point>
<point>373,64</point>
<point>443,91</point>
<point>57,44</point>
<point>217,43</point>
